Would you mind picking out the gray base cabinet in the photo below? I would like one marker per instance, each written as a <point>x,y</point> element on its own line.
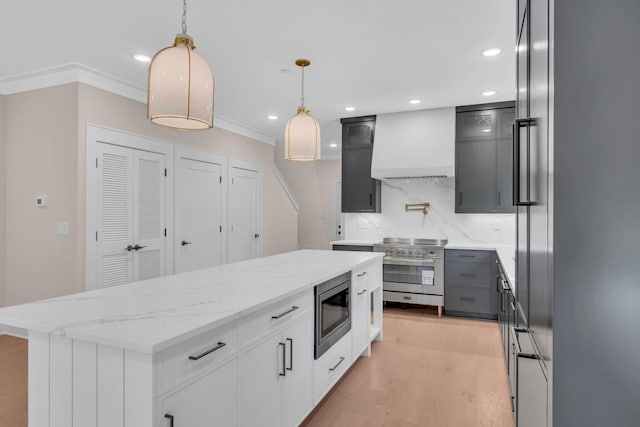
<point>469,278</point>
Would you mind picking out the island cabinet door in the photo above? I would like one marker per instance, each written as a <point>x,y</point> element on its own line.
<point>297,391</point>
<point>260,396</point>
<point>211,400</point>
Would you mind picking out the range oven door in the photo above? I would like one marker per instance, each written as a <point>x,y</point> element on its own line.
<point>333,316</point>
<point>418,277</point>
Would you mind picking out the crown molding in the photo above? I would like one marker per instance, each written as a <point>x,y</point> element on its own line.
<point>78,73</point>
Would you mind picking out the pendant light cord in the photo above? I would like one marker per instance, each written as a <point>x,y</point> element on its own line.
<point>184,16</point>
<point>302,98</point>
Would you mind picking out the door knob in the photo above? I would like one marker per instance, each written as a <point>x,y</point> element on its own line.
<point>138,247</point>
<point>129,248</point>
<point>256,235</point>
<point>185,243</point>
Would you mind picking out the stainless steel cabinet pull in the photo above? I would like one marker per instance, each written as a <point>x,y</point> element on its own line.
<point>513,307</point>
<point>292,309</point>
<point>185,243</point>
<point>283,346</point>
<point>290,368</point>
<point>468,274</point>
<point>407,298</point>
<point>362,274</point>
<point>363,292</point>
<point>207,352</point>
<point>337,364</point>
<point>467,299</point>
<point>170,417</point>
<point>467,256</point>
<point>529,356</point>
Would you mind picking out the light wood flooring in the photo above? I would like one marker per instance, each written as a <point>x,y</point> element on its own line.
<point>428,371</point>
<point>13,382</point>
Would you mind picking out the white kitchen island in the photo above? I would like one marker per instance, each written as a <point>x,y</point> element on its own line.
<point>225,346</point>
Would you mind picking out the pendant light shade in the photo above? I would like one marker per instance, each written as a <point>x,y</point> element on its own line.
<point>181,86</point>
<point>302,134</point>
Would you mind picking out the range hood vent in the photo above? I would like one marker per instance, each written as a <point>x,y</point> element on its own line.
<point>415,144</point>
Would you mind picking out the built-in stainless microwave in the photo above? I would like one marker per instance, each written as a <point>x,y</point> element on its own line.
<point>333,312</point>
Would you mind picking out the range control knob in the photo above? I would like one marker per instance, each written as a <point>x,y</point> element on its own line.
<point>401,252</point>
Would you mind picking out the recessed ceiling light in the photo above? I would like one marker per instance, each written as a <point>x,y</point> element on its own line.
<point>272,117</point>
<point>486,130</point>
<point>141,58</point>
<point>334,145</point>
<point>491,51</point>
<point>415,101</point>
<point>349,108</point>
<point>489,93</point>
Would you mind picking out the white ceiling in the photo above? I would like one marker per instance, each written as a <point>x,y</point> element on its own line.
<point>372,54</point>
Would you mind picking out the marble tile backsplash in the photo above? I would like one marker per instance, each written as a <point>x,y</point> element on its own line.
<point>440,222</point>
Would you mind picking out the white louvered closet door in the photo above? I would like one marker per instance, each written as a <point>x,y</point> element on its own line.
<point>131,215</point>
<point>115,215</point>
<point>148,215</point>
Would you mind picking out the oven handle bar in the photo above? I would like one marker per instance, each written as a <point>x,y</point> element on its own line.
<point>415,263</point>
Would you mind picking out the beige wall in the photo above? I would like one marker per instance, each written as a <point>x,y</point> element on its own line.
<point>42,158</point>
<point>3,168</point>
<point>47,156</point>
<point>313,187</point>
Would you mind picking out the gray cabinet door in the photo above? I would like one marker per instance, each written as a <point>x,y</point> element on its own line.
<point>532,393</point>
<point>360,192</point>
<point>476,176</point>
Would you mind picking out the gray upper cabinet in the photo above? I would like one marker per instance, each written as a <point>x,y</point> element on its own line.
<point>360,192</point>
<point>484,158</point>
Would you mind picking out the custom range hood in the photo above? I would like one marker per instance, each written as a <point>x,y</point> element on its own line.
<point>414,144</point>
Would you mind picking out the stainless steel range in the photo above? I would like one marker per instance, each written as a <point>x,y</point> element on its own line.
<point>413,271</point>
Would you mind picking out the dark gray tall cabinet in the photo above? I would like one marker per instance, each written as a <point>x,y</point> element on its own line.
<point>577,191</point>
<point>360,192</point>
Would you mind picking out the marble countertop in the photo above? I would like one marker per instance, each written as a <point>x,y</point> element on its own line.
<point>356,242</point>
<point>151,315</point>
<point>506,255</point>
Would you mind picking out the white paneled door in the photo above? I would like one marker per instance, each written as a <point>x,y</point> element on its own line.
<point>245,190</point>
<point>131,217</point>
<point>200,210</point>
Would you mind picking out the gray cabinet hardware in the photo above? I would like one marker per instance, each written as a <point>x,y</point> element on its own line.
<point>407,298</point>
<point>207,352</point>
<point>291,310</point>
<point>364,291</point>
<point>337,364</point>
<point>468,274</point>
<point>364,273</point>
<point>283,346</point>
<point>526,123</point>
<point>467,299</point>
<point>170,417</point>
<point>529,356</point>
<point>290,368</point>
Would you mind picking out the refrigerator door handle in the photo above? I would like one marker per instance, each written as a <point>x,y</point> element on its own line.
<point>526,122</point>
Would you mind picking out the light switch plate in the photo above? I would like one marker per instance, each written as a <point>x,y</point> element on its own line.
<point>62,229</point>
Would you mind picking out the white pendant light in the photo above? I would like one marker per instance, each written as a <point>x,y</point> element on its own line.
<point>180,92</point>
<point>302,134</point>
